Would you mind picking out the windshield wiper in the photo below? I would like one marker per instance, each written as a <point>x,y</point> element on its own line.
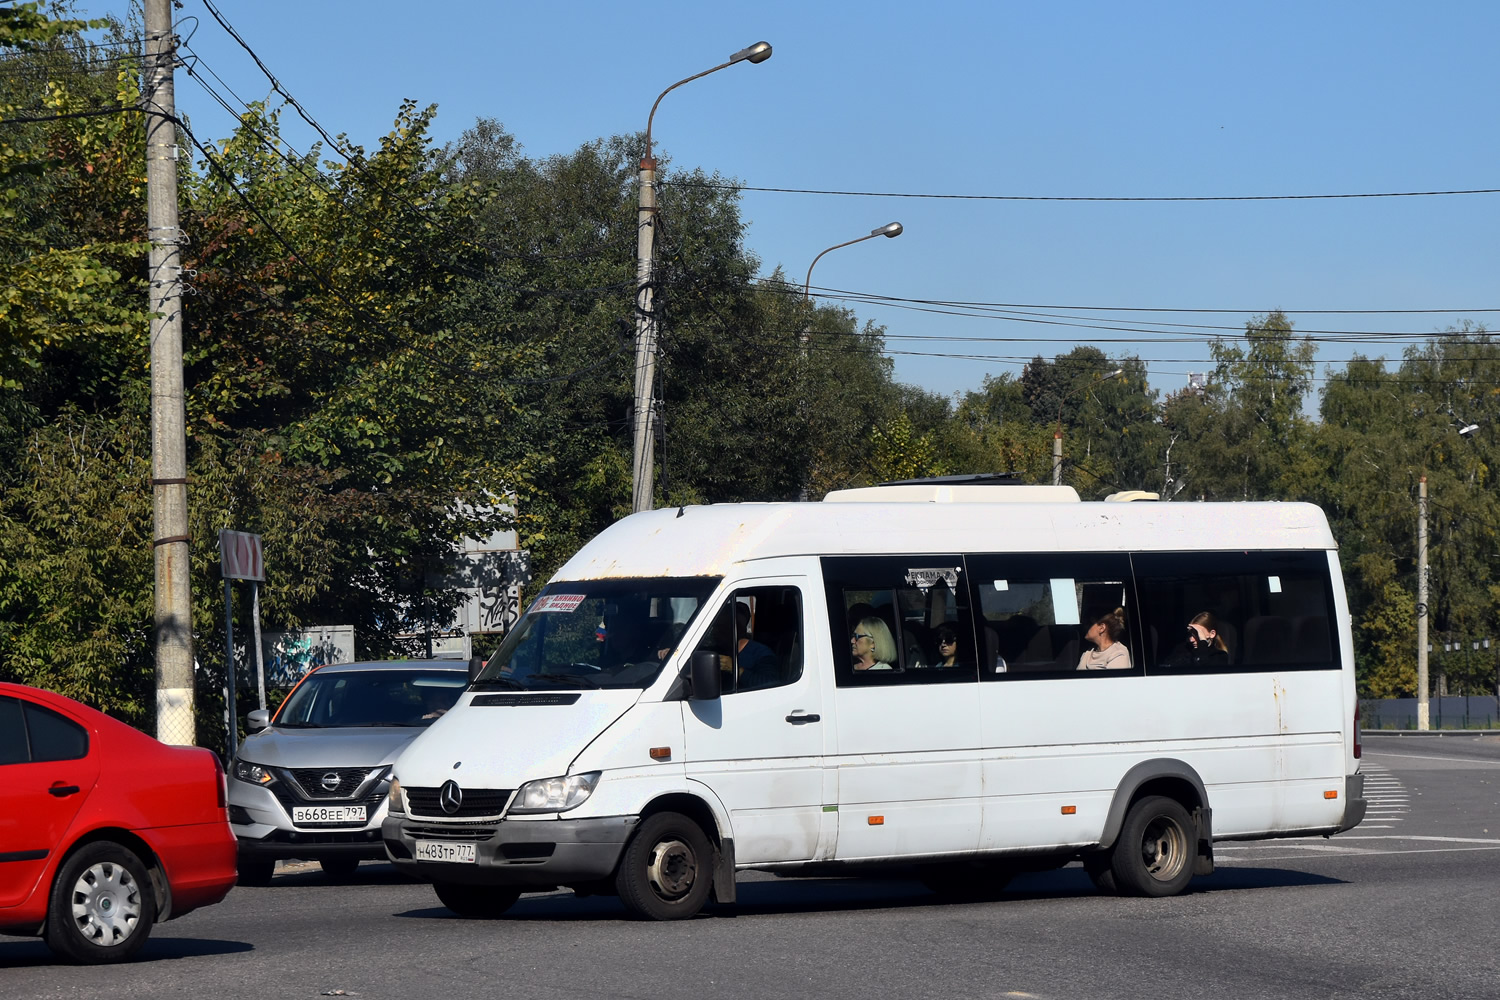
<point>509,682</point>
<point>582,681</point>
<point>297,725</point>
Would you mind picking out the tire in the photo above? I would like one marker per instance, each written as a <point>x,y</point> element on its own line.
<point>102,905</point>
<point>339,869</point>
<point>477,902</point>
<point>1156,850</point>
<point>667,869</point>
<point>966,882</point>
<point>1097,865</point>
<point>256,873</point>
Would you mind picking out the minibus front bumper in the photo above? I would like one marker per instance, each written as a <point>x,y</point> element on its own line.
<point>539,852</point>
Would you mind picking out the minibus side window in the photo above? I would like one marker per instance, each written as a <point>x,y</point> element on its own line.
<point>1265,610</point>
<point>1039,615</point>
<point>899,620</point>
<point>757,636</point>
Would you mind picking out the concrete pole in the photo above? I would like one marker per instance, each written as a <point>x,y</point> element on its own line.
<point>174,599</point>
<point>1057,456</point>
<point>260,663</point>
<point>644,474</point>
<point>1423,717</point>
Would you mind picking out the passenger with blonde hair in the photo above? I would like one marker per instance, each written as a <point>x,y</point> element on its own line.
<point>871,645</point>
<point>1108,636</point>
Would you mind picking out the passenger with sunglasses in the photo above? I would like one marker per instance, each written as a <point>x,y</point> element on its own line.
<point>871,645</point>
<point>947,647</point>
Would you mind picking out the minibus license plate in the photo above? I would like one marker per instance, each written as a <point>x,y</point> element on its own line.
<point>432,850</point>
<point>328,814</point>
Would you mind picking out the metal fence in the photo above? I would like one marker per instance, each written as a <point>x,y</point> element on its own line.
<point>1452,712</point>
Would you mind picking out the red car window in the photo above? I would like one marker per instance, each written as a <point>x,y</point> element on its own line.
<point>12,733</point>
<point>54,737</point>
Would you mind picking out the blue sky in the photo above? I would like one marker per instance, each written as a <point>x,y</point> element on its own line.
<point>968,98</point>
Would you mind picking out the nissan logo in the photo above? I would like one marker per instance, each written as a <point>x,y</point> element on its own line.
<point>450,797</point>
<point>331,781</point>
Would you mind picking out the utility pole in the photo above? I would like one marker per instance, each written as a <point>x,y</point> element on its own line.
<point>643,471</point>
<point>174,599</point>
<point>642,476</point>
<point>1423,717</point>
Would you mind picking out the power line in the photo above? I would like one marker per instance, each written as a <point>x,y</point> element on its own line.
<point>1084,198</point>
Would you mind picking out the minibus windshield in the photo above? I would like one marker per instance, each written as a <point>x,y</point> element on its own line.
<point>596,634</point>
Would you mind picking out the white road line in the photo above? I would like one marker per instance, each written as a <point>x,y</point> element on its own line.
<point>1461,760</point>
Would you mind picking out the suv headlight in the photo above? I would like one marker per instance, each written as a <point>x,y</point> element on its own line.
<point>253,773</point>
<point>396,802</point>
<point>550,795</point>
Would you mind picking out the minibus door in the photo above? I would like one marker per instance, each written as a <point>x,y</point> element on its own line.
<point>759,746</point>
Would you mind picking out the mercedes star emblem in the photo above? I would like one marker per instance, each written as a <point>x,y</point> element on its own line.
<point>450,797</point>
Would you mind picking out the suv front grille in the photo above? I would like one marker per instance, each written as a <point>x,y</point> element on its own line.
<point>476,802</point>
<point>309,781</point>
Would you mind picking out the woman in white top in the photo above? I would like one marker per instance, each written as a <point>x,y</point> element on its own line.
<point>871,645</point>
<point>1107,635</point>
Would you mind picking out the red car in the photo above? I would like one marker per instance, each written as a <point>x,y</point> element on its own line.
<point>103,830</point>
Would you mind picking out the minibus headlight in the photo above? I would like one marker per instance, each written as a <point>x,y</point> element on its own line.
<point>396,802</point>
<point>547,795</point>
<point>253,773</point>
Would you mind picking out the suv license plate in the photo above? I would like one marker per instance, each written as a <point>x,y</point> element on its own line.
<point>328,814</point>
<point>434,850</point>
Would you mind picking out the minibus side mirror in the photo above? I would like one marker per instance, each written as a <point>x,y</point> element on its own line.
<point>476,664</point>
<point>260,718</point>
<point>704,673</point>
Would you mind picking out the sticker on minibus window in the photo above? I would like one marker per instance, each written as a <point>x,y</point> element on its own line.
<point>558,602</point>
<point>1064,602</point>
<point>1275,584</point>
<point>926,579</point>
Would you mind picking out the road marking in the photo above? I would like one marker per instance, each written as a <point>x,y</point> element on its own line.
<point>1450,760</point>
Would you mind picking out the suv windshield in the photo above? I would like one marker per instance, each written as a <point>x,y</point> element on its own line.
<point>596,634</point>
<point>372,698</point>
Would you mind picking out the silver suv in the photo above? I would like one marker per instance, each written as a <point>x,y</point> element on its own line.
<point>312,782</point>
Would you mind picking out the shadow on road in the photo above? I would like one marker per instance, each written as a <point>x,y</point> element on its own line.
<point>762,897</point>
<point>20,954</point>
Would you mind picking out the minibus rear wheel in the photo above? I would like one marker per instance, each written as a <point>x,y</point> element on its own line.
<point>1157,847</point>
<point>667,869</point>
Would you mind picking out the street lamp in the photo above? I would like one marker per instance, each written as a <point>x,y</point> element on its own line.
<point>893,230</point>
<point>1057,434</point>
<point>645,318</point>
<point>1424,717</point>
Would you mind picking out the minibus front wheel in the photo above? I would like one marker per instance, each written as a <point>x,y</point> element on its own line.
<point>667,869</point>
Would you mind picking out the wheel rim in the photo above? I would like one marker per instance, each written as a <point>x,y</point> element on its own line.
<point>672,869</point>
<point>1163,849</point>
<point>106,904</point>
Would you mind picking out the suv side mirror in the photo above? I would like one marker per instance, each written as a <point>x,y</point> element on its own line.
<point>260,718</point>
<point>704,673</point>
<point>476,664</point>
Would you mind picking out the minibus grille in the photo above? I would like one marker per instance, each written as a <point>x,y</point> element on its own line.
<point>454,831</point>
<point>476,802</point>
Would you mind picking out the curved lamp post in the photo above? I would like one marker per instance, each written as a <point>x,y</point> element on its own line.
<point>893,230</point>
<point>1057,434</point>
<point>645,319</point>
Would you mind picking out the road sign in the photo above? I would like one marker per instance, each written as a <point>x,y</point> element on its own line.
<point>240,556</point>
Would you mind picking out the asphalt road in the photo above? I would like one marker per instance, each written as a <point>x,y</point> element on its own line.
<point>1406,905</point>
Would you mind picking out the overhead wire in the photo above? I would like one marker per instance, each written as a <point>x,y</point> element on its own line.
<point>1088,198</point>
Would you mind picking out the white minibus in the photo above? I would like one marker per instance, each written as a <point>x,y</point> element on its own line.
<point>956,682</point>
